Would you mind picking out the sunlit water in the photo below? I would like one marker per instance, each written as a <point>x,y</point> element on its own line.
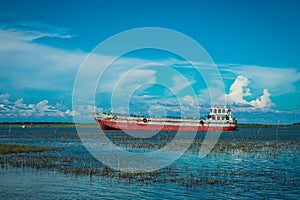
<point>234,175</point>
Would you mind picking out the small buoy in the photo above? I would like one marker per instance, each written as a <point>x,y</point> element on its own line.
<point>23,126</point>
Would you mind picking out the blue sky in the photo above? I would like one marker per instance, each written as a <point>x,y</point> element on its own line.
<point>255,45</point>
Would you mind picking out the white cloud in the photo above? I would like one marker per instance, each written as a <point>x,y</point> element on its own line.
<point>27,64</point>
<point>4,97</point>
<point>21,110</point>
<point>126,74</point>
<point>84,113</point>
<point>134,79</point>
<point>239,96</point>
<point>28,35</point>
<point>239,89</point>
<point>180,82</point>
<point>33,30</point>
<point>264,101</point>
<point>72,113</point>
<point>126,86</point>
<point>278,81</point>
<point>190,101</point>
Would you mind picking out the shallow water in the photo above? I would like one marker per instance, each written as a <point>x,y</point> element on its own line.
<point>235,174</point>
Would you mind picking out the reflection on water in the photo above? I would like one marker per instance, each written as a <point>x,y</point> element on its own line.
<point>248,163</point>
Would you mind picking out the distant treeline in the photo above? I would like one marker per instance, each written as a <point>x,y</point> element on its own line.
<point>265,125</point>
<point>36,123</point>
<point>29,124</point>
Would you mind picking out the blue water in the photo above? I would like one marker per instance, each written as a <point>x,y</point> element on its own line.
<point>232,175</point>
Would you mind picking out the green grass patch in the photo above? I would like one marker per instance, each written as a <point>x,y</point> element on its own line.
<point>15,148</point>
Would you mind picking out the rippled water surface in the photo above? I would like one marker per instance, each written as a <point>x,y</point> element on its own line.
<point>248,163</point>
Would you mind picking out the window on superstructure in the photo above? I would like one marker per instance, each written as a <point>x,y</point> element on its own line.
<point>215,110</point>
<point>213,117</point>
<point>223,110</point>
<point>218,118</point>
<point>223,117</point>
<point>219,110</point>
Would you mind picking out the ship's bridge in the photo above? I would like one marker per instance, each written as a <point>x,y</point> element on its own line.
<point>220,113</point>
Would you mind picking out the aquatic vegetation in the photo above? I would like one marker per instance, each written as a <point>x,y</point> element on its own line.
<point>249,163</point>
<point>15,148</point>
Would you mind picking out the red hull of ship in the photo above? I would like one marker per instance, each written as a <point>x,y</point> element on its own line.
<point>129,125</point>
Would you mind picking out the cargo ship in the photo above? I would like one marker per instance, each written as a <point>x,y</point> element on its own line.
<point>219,119</point>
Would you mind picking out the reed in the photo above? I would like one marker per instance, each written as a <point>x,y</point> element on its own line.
<point>16,148</point>
<point>203,177</point>
<point>240,175</point>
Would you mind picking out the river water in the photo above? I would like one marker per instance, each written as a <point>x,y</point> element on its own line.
<point>267,170</point>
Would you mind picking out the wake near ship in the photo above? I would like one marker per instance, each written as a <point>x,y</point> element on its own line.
<point>219,118</point>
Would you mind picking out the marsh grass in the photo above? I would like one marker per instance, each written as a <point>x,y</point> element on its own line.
<point>16,148</point>
<point>203,177</point>
<point>267,149</point>
<point>227,146</point>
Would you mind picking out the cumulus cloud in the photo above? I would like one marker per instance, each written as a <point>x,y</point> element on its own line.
<point>277,80</point>
<point>264,101</point>
<point>72,113</point>
<point>21,110</point>
<point>239,90</point>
